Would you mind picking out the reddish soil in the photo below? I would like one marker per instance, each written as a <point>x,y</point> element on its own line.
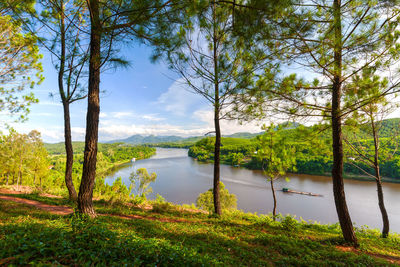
<point>391,259</point>
<point>64,210</point>
<point>59,210</point>
<point>24,190</point>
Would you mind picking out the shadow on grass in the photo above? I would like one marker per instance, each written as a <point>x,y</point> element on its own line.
<point>50,239</point>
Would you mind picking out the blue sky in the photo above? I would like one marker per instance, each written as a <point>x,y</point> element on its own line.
<point>143,99</point>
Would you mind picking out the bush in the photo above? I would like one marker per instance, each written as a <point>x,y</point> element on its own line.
<point>289,223</point>
<point>205,200</point>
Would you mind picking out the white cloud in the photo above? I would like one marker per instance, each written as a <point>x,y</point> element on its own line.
<point>152,117</point>
<point>50,103</point>
<point>227,126</point>
<point>178,100</point>
<point>122,114</point>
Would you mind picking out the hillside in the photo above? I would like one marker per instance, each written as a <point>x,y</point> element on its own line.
<point>175,141</point>
<point>149,139</point>
<point>168,235</point>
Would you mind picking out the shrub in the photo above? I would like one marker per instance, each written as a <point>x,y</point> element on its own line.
<point>289,223</point>
<point>205,200</point>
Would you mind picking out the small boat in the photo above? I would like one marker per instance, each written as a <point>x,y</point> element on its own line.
<point>287,190</point>
<point>133,159</point>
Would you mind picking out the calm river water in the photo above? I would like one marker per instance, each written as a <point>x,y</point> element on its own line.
<point>180,179</point>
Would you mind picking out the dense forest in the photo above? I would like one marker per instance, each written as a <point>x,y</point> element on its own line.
<point>313,150</point>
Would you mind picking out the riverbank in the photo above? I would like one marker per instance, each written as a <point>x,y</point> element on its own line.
<point>328,175</point>
<point>169,235</point>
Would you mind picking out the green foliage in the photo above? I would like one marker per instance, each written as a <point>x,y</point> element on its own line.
<point>23,158</point>
<point>20,64</point>
<point>275,154</point>
<point>289,223</point>
<point>177,238</point>
<point>116,152</point>
<point>25,161</point>
<point>205,200</point>
<point>312,147</point>
<point>140,182</point>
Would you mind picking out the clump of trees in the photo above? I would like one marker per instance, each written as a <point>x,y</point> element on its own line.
<point>23,158</point>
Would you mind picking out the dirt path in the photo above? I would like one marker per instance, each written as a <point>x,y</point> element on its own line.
<point>59,210</point>
<point>64,210</point>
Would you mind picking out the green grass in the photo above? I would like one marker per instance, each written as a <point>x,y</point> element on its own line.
<point>181,238</point>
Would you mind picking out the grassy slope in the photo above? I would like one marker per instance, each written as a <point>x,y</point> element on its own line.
<point>169,235</point>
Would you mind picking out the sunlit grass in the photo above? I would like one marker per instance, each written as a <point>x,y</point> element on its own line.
<point>168,235</point>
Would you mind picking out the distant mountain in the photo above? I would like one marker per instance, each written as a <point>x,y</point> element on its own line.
<point>150,139</point>
<point>290,125</point>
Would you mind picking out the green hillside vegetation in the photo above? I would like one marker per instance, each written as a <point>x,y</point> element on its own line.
<point>158,141</point>
<point>150,139</point>
<point>109,157</point>
<point>184,143</point>
<point>313,150</point>
<point>27,161</point>
<point>171,235</point>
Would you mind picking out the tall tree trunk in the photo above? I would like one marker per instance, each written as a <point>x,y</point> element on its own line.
<point>385,217</point>
<point>274,196</point>
<point>337,138</point>
<point>70,153</point>
<point>85,204</point>
<point>67,121</point>
<point>34,178</point>
<point>217,146</point>
<point>19,178</point>
<point>8,176</point>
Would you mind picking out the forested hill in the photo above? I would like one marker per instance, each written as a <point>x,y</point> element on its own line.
<point>154,139</point>
<point>78,147</point>
<point>388,128</point>
<point>150,139</point>
<point>313,149</point>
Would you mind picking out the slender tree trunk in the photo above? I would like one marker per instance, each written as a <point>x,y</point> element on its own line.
<point>217,147</point>
<point>8,176</point>
<point>385,217</point>
<point>337,138</point>
<point>34,178</point>
<point>216,189</point>
<point>85,204</point>
<point>67,122</point>
<point>274,196</point>
<point>70,153</point>
<point>19,178</point>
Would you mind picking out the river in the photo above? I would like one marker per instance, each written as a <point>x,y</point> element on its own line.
<point>180,179</point>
